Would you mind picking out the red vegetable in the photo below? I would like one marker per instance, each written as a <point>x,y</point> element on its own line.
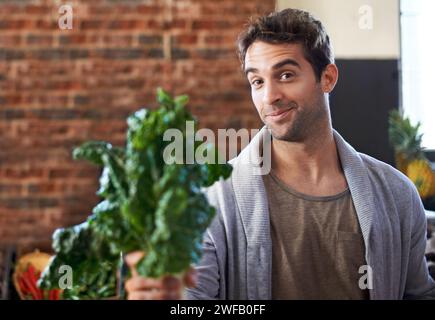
<point>28,280</point>
<point>30,286</point>
<point>23,287</point>
<point>31,271</point>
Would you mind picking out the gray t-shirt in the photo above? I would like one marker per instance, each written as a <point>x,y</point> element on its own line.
<point>317,244</point>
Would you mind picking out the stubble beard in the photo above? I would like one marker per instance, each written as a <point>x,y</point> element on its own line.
<point>306,121</point>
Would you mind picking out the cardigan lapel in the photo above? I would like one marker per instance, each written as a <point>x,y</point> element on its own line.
<point>253,207</point>
<point>361,189</point>
<point>359,184</point>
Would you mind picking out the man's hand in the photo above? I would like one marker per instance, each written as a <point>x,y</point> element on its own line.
<point>165,288</point>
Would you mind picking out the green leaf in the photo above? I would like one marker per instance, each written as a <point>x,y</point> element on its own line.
<point>181,101</point>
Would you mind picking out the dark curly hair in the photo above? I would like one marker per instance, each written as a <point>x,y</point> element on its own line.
<point>290,26</point>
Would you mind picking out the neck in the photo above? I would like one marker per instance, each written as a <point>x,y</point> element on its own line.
<point>313,163</point>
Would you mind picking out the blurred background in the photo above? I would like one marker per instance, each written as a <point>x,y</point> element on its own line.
<point>61,85</point>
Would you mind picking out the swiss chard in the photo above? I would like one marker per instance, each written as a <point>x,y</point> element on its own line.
<point>146,205</point>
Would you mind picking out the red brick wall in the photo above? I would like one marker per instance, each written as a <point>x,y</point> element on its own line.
<point>59,88</point>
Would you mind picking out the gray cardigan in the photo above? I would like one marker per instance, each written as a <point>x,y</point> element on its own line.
<point>237,248</point>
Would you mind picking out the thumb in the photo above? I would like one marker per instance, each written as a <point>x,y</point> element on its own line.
<point>132,259</point>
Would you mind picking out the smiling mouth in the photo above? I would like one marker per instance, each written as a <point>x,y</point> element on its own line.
<point>279,114</point>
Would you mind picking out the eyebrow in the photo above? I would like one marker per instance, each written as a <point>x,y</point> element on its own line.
<point>276,66</point>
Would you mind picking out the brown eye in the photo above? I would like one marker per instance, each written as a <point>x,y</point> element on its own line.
<point>286,76</point>
<point>256,83</point>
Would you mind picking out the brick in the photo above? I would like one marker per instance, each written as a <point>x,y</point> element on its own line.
<point>39,39</point>
<point>52,114</point>
<point>22,173</point>
<point>12,54</point>
<point>229,9</point>
<point>155,24</point>
<point>149,9</point>
<point>125,24</point>
<point>41,188</point>
<point>227,96</point>
<point>37,9</point>
<point>184,39</point>
<point>19,158</point>
<point>7,40</point>
<point>12,114</point>
<point>94,10</point>
<point>215,53</point>
<point>228,40</point>
<point>135,83</point>
<point>118,40</point>
<point>177,53</point>
<point>72,39</point>
<point>15,24</point>
<point>150,39</point>
<point>59,54</point>
<point>11,7</point>
<point>122,54</point>
<point>78,53</point>
<point>212,24</point>
<point>10,188</point>
<point>155,53</point>
<point>46,24</point>
<point>175,24</point>
<point>91,24</point>
<point>28,203</point>
<point>61,173</point>
<point>81,100</point>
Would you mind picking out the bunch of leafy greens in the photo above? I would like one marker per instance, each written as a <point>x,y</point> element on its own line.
<point>147,205</point>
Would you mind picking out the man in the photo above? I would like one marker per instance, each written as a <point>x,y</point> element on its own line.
<point>327,222</point>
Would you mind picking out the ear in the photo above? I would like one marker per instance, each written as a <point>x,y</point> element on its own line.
<point>329,78</point>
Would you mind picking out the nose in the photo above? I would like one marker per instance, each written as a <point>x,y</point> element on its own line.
<point>271,93</point>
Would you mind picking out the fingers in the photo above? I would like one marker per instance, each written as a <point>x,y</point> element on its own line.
<point>137,283</point>
<point>171,283</point>
<point>167,288</point>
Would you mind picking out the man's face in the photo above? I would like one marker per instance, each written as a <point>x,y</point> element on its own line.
<point>285,91</point>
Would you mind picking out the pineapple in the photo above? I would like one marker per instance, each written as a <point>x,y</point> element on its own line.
<point>420,172</point>
<point>401,162</point>
<point>409,155</point>
<point>432,188</point>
